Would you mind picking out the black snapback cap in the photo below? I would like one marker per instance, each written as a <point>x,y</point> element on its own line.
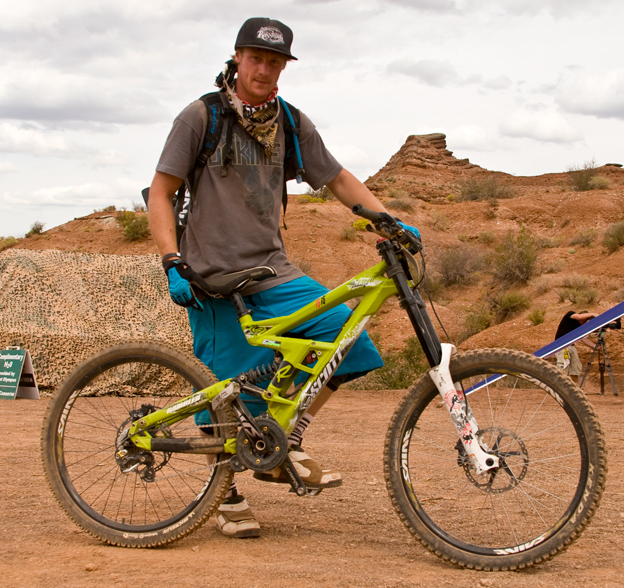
<point>265,33</point>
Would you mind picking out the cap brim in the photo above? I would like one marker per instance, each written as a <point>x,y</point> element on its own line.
<point>267,49</point>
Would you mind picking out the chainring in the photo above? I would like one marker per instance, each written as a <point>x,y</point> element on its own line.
<point>263,453</point>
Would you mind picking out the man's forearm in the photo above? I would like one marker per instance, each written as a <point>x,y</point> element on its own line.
<point>350,191</point>
<point>161,214</point>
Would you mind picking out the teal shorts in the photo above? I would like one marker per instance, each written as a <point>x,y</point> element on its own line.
<point>219,342</point>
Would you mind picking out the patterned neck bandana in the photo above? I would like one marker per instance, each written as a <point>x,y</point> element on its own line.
<point>259,121</point>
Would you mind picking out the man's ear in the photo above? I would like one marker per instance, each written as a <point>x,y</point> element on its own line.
<point>237,56</point>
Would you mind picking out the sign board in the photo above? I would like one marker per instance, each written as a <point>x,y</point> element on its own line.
<point>17,377</point>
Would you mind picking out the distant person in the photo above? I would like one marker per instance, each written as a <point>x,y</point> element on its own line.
<point>567,358</point>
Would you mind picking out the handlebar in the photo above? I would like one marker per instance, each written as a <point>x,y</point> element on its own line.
<point>387,226</point>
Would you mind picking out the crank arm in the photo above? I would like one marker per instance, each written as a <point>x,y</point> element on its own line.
<point>460,413</point>
<point>296,483</point>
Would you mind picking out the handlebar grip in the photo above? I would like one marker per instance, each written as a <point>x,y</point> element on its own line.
<point>369,215</point>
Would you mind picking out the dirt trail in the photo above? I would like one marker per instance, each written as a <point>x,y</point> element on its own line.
<point>347,537</point>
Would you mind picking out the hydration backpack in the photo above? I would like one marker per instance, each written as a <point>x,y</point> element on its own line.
<point>220,113</point>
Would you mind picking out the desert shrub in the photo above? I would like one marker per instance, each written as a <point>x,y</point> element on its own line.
<point>348,234</point>
<point>35,229</point>
<point>580,176</point>
<point>486,237</point>
<point>516,258</point>
<point>457,265</point>
<point>6,242</point>
<point>309,199</point>
<point>111,208</point>
<point>323,193</point>
<point>441,222</point>
<point>553,266</point>
<point>599,183</point>
<point>542,285</point>
<point>396,193</point>
<point>400,369</point>
<point>581,295</point>
<point>537,316</point>
<point>133,227</point>
<point>360,224</point>
<point>484,189</point>
<point>548,243</point>
<point>584,238</point>
<point>432,286</point>
<point>400,204</point>
<point>576,282</point>
<point>477,319</point>
<point>139,207</point>
<point>509,304</point>
<point>614,237</point>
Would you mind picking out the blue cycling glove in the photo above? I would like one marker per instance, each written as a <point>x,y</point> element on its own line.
<point>179,275</point>
<point>408,228</point>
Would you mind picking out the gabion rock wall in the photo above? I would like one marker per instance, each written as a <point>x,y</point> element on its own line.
<point>63,307</point>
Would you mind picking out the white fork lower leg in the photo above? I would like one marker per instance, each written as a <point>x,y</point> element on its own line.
<point>460,413</point>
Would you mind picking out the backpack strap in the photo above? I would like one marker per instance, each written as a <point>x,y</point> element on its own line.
<point>293,164</point>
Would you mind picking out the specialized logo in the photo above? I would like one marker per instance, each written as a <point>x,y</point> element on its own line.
<point>519,548</point>
<point>283,373</point>
<point>66,410</point>
<point>364,283</point>
<point>271,35</point>
<point>319,383</point>
<point>184,403</point>
<point>320,302</point>
<point>254,331</point>
<point>271,343</point>
<point>404,456</point>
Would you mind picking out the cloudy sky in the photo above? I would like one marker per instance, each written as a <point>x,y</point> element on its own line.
<point>88,90</point>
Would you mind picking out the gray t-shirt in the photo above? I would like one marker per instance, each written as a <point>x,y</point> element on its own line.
<point>234,224</point>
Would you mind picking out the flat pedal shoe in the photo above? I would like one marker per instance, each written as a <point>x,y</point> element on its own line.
<point>235,519</point>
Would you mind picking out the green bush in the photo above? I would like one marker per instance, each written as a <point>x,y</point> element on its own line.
<point>537,316</point>
<point>510,304</point>
<point>6,242</point>
<point>614,237</point>
<point>516,258</point>
<point>309,199</point>
<point>458,265</point>
<point>484,189</point>
<point>580,176</point>
<point>35,229</point>
<point>584,238</point>
<point>478,319</point>
<point>133,227</point>
<point>400,369</point>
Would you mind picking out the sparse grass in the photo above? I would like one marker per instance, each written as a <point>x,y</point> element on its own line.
<point>458,265</point>
<point>303,264</point>
<point>348,234</point>
<point>433,286</point>
<point>516,259</point>
<point>6,242</point>
<point>360,224</point>
<point>542,285</point>
<point>139,207</point>
<point>509,304</point>
<point>308,199</point>
<point>400,370</point>
<point>554,266</point>
<point>440,221</point>
<point>614,237</point>
<point>402,204</point>
<point>133,227</point>
<point>35,229</point>
<point>584,295</point>
<point>486,188</point>
<point>486,237</point>
<point>549,243</point>
<point>111,208</point>
<point>537,316</point>
<point>396,193</point>
<point>584,238</point>
<point>478,319</point>
<point>576,282</point>
<point>492,209</point>
<point>580,176</point>
<point>599,183</point>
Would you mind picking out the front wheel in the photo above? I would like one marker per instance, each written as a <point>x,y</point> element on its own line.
<point>159,497</point>
<point>552,463</point>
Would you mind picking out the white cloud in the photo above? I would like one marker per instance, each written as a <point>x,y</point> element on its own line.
<point>498,83</point>
<point>428,5</point>
<point>539,123</point>
<point>555,8</point>
<point>432,72</point>
<point>42,143</point>
<point>472,137</point>
<point>7,167</point>
<point>600,94</point>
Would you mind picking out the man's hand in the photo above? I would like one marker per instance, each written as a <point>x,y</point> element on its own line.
<point>409,228</point>
<point>179,276</point>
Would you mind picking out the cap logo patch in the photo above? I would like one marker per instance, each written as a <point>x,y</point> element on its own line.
<point>271,35</point>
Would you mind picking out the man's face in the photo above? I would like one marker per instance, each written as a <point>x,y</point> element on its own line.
<point>258,72</point>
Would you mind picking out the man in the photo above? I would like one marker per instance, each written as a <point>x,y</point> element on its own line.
<point>567,358</point>
<point>234,225</point>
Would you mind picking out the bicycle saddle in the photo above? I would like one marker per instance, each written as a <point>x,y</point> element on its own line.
<point>224,286</point>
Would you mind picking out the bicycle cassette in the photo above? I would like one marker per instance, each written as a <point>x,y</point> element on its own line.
<point>264,453</point>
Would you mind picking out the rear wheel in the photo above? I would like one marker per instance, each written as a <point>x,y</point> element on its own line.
<point>552,463</point>
<point>162,496</point>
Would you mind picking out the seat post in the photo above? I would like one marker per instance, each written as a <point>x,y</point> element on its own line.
<point>239,305</point>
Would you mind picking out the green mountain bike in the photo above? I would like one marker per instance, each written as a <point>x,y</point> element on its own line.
<point>493,460</point>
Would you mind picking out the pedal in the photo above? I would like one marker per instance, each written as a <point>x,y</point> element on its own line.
<point>296,483</point>
<point>309,491</point>
<point>226,396</point>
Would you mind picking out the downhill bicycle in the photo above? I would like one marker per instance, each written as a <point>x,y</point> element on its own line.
<point>493,459</point>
